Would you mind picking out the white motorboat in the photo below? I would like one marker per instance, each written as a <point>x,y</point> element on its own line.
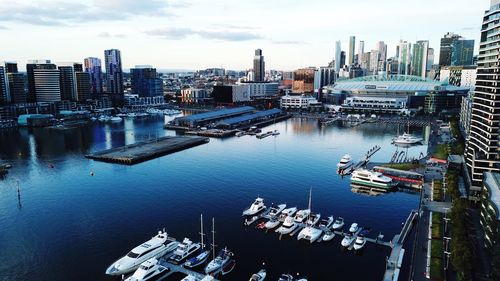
<point>202,255</point>
<point>249,221</point>
<point>184,250</point>
<point>276,132</point>
<point>329,235</point>
<point>157,246</point>
<point>326,223</point>
<point>372,179</point>
<point>407,139</point>
<point>148,270</point>
<point>275,211</point>
<point>288,226</point>
<point>259,276</point>
<point>338,224</point>
<point>189,278</point>
<point>286,277</point>
<point>256,207</point>
<point>360,243</point>
<point>348,240</point>
<point>275,221</point>
<point>354,227</point>
<point>345,162</point>
<point>302,215</point>
<point>116,119</point>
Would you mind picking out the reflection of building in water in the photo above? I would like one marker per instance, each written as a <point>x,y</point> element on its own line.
<point>303,126</point>
<point>366,190</point>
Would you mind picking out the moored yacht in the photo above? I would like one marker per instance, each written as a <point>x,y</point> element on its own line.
<point>184,250</point>
<point>371,178</point>
<point>202,255</point>
<point>360,242</point>
<point>219,261</point>
<point>348,240</point>
<point>157,247</point>
<point>275,221</point>
<point>354,227</point>
<point>256,207</point>
<point>275,211</point>
<point>148,270</point>
<point>407,139</point>
<point>291,223</point>
<point>338,224</point>
<point>259,276</point>
<point>345,162</point>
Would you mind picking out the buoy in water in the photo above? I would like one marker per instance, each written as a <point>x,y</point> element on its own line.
<point>91,173</point>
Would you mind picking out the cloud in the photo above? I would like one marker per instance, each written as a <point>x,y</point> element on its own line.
<point>471,28</point>
<point>287,42</point>
<point>106,34</point>
<point>67,12</point>
<point>220,35</point>
<point>3,28</point>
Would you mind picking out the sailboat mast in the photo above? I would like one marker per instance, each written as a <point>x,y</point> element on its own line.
<point>213,237</point>
<point>310,211</point>
<point>201,233</point>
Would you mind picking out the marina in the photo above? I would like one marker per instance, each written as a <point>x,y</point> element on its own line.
<point>146,150</point>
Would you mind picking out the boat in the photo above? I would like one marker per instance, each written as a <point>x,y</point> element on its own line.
<point>348,240</point>
<point>121,115</point>
<point>275,221</point>
<point>157,246</point>
<point>288,226</point>
<point>329,235</point>
<point>264,135</point>
<point>259,276</point>
<point>148,270</point>
<point>184,250</point>
<point>228,267</point>
<point>240,134</point>
<point>407,139</point>
<point>276,133</point>
<point>219,261</point>
<point>372,179</point>
<point>345,162</point>
<point>256,207</point>
<point>275,211</point>
<point>360,243</point>
<point>251,220</point>
<point>203,255</point>
<point>93,118</point>
<point>354,227</point>
<point>310,232</point>
<point>189,278</point>
<point>338,224</point>
<point>116,119</point>
<point>286,277</point>
<point>326,223</point>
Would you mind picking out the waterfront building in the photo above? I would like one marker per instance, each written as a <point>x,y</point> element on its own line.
<point>31,66</point>
<point>145,82</point>
<point>67,82</point>
<point>93,67</point>
<point>490,209</point>
<point>352,46</point>
<point>338,54</point>
<point>462,52</point>
<point>114,73</point>
<point>5,97</point>
<point>193,95</point>
<point>419,58</point>
<point>47,86</point>
<point>17,89</point>
<point>298,102</point>
<point>229,94</point>
<point>259,68</point>
<point>372,104</point>
<point>83,88</point>
<point>446,49</point>
<point>204,118</point>
<point>404,58</point>
<point>462,76</point>
<point>303,80</point>
<point>482,153</point>
<point>265,89</point>
<point>248,119</point>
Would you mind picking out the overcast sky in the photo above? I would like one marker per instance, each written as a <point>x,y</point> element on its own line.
<point>197,34</point>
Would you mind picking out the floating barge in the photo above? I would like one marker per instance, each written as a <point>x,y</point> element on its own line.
<point>146,150</point>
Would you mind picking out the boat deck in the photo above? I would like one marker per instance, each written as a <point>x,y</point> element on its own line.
<point>174,268</point>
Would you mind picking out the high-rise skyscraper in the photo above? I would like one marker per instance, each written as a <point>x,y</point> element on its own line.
<point>82,83</point>
<point>338,53</point>
<point>374,59</point>
<point>16,82</point>
<point>145,81</point>
<point>93,67</point>
<point>114,73</point>
<point>482,153</point>
<point>4,86</point>
<point>323,76</point>
<point>342,58</point>
<point>47,86</point>
<point>430,58</point>
<point>259,67</point>
<point>404,58</point>
<point>462,52</point>
<point>351,55</point>
<point>11,67</point>
<point>446,48</point>
<point>67,82</point>
<point>361,51</point>
<point>31,66</point>
<point>419,58</point>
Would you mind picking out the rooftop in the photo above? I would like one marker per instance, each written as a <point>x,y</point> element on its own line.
<point>248,117</point>
<point>217,113</point>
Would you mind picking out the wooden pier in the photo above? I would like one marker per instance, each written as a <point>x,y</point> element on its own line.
<point>146,150</point>
<point>362,162</point>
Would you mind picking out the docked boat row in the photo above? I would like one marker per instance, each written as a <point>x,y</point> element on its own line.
<point>163,111</point>
<point>268,134</point>
<point>161,252</point>
<point>309,225</point>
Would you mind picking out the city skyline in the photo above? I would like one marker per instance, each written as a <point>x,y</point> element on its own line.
<point>205,40</point>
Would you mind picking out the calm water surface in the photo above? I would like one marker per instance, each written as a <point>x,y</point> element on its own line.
<point>68,225</point>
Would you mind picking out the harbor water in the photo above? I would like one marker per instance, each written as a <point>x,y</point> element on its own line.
<point>73,216</point>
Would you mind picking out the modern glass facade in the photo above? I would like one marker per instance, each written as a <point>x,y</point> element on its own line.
<point>93,67</point>
<point>259,67</point>
<point>482,148</point>
<point>67,83</point>
<point>145,82</point>
<point>114,73</point>
<point>463,53</point>
<point>419,59</point>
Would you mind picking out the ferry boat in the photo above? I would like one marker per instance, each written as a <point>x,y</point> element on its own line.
<point>370,178</point>
<point>345,162</point>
